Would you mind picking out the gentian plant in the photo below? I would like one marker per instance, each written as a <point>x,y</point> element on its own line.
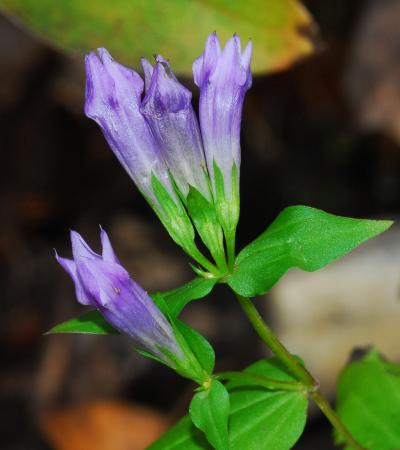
<point>189,171</point>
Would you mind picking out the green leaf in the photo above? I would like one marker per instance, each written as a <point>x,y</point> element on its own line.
<point>301,237</point>
<point>199,346</point>
<point>368,402</point>
<point>209,411</point>
<point>204,217</point>
<point>182,436</point>
<point>260,418</point>
<point>273,419</point>
<point>178,298</point>
<point>90,323</point>
<point>282,30</point>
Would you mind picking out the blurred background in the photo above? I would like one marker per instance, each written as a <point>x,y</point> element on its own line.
<point>321,127</point>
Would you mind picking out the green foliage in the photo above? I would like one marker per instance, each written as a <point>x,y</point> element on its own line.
<point>91,322</point>
<point>176,28</point>
<point>182,436</point>
<point>269,368</point>
<point>249,379</point>
<point>368,402</point>
<point>301,237</point>
<point>204,217</point>
<point>178,298</point>
<point>260,418</point>
<point>273,419</point>
<point>198,345</point>
<point>209,411</point>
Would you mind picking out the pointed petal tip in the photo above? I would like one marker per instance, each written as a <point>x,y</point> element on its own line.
<point>148,70</point>
<point>246,57</point>
<point>74,234</point>
<point>80,248</point>
<point>104,54</point>
<point>160,58</point>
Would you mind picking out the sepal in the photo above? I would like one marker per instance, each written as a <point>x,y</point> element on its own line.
<point>175,219</point>
<point>227,205</point>
<point>204,217</point>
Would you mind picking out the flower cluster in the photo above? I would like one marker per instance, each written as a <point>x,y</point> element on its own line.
<point>188,170</point>
<point>153,130</point>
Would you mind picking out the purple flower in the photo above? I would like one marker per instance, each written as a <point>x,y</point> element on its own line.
<point>101,281</point>
<point>113,98</point>
<point>169,112</point>
<point>223,77</point>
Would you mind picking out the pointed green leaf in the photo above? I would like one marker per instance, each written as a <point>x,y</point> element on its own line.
<point>131,29</point>
<point>90,323</point>
<point>178,298</point>
<point>260,418</point>
<point>368,402</point>
<point>182,436</point>
<point>301,237</point>
<point>209,411</point>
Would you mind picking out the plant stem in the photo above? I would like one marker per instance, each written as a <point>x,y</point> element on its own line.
<point>258,380</point>
<point>296,368</point>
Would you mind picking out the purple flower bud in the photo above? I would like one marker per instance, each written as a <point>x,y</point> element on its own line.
<point>223,77</point>
<point>113,97</point>
<point>169,112</point>
<point>102,282</point>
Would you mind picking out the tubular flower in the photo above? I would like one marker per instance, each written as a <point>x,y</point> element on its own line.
<point>223,77</point>
<point>101,281</point>
<point>169,112</point>
<point>113,98</point>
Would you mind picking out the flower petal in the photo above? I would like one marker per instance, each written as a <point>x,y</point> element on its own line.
<point>69,266</point>
<point>80,248</point>
<point>148,72</point>
<point>113,97</point>
<point>169,112</point>
<point>108,253</point>
<point>223,78</point>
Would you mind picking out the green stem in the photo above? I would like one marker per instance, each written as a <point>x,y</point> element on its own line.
<point>297,369</point>
<point>257,380</point>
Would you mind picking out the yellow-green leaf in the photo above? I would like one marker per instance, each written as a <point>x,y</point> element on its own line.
<point>282,30</point>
